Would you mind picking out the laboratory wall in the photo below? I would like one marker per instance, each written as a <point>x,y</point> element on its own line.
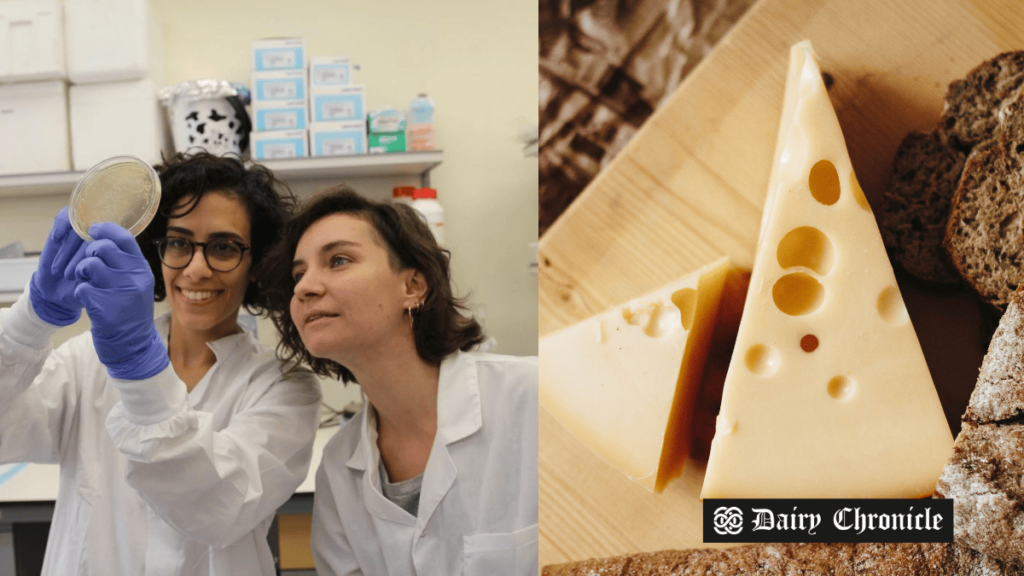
<point>477,60</point>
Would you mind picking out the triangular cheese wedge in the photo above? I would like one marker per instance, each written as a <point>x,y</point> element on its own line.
<point>624,382</point>
<point>828,393</point>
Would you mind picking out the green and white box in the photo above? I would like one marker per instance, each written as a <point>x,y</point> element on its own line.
<point>337,138</point>
<point>386,131</point>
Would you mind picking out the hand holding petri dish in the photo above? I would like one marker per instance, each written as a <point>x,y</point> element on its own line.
<point>123,190</point>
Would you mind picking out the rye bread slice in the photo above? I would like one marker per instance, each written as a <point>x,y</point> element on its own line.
<point>785,559</point>
<point>985,233</point>
<point>985,479</point>
<point>916,205</point>
<point>985,474</point>
<point>972,104</point>
<point>999,394</point>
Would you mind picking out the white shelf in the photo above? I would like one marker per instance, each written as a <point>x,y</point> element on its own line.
<point>365,165</point>
<point>292,170</point>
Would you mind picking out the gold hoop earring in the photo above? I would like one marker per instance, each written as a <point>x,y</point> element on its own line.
<point>410,309</point>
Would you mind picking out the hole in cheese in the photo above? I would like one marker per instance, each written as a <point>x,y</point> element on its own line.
<point>762,360</point>
<point>841,388</point>
<point>858,193</point>
<point>656,320</point>
<point>808,247</point>
<point>809,343</point>
<point>798,294</point>
<point>686,301</point>
<point>824,182</point>
<point>890,306</point>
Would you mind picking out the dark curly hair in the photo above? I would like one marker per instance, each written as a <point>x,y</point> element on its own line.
<point>268,201</point>
<point>440,328</point>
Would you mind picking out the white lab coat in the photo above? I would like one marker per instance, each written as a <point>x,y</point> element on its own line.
<point>478,501</point>
<point>212,464</point>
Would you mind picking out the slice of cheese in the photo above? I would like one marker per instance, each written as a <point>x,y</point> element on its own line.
<point>828,393</point>
<point>624,382</point>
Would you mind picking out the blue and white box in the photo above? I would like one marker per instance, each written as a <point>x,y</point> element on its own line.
<point>338,104</point>
<point>278,145</point>
<point>278,54</point>
<point>337,138</point>
<point>328,71</point>
<point>282,115</point>
<point>279,85</point>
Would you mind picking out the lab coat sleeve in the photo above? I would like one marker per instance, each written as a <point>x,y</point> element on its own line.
<point>38,393</point>
<point>331,551</point>
<point>215,486</point>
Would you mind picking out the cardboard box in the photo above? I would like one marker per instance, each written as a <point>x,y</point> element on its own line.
<point>34,127</point>
<point>283,115</point>
<point>337,104</point>
<point>279,85</point>
<point>115,118</point>
<point>31,41</point>
<point>278,145</point>
<point>329,71</point>
<point>386,120</point>
<point>381,142</point>
<point>278,54</point>
<point>337,138</point>
<point>293,536</point>
<point>110,40</point>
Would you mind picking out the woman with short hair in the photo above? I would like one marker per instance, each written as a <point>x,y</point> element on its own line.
<point>438,473</point>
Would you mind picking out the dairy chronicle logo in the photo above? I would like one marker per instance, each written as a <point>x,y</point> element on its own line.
<point>728,520</point>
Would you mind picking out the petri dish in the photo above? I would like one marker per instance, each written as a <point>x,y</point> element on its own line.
<point>124,190</point>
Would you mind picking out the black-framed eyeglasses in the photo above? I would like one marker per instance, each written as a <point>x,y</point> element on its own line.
<point>222,255</point>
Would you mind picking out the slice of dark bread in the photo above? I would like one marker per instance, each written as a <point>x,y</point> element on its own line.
<point>928,167</point>
<point>985,232</point>
<point>916,205</point>
<point>970,114</point>
<point>985,474</point>
<point>786,559</point>
<point>998,397</point>
<point>985,479</point>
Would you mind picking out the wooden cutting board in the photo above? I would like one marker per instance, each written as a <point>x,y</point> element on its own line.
<point>690,187</point>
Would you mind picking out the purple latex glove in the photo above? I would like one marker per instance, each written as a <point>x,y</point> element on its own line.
<point>116,288</point>
<point>52,288</point>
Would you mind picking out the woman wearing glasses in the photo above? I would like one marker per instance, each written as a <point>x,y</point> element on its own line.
<point>178,437</point>
<point>438,473</point>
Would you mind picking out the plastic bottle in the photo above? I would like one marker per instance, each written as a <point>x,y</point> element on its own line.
<point>424,200</point>
<point>403,194</point>
<point>420,127</point>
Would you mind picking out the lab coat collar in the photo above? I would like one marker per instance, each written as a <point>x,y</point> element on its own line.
<point>222,347</point>
<point>222,350</point>
<point>459,413</point>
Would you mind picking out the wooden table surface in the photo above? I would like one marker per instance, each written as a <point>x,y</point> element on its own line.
<point>689,188</point>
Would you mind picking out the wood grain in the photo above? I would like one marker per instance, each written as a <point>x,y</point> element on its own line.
<point>689,188</point>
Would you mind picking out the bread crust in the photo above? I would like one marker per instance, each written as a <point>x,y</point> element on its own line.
<point>984,235</point>
<point>970,115</point>
<point>904,559</point>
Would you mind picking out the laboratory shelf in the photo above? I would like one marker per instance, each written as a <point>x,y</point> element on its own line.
<point>290,170</point>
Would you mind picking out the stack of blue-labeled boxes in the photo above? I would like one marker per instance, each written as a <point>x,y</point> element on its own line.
<point>280,97</point>
<point>337,108</point>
